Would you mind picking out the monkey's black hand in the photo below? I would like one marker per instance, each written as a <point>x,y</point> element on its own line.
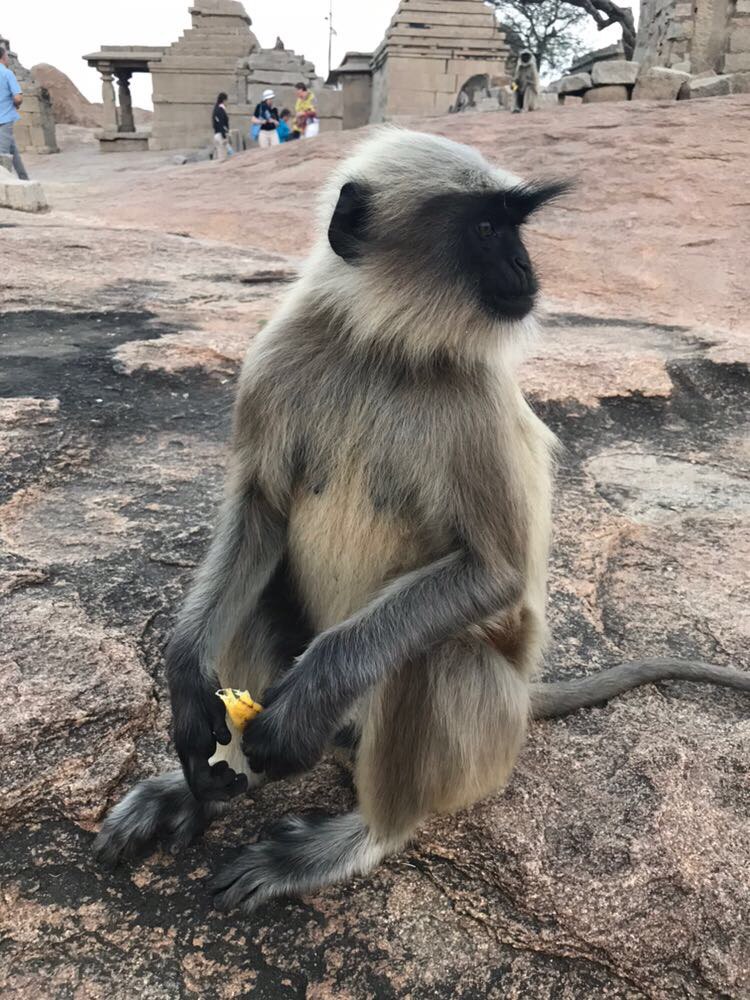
<point>287,737</point>
<point>199,723</point>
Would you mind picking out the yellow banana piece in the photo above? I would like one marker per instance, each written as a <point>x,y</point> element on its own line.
<point>241,708</point>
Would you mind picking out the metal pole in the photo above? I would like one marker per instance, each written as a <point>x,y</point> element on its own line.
<point>330,34</point>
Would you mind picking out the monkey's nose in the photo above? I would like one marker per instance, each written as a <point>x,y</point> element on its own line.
<point>522,274</point>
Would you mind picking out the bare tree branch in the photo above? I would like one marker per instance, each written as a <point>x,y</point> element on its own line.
<point>604,13</point>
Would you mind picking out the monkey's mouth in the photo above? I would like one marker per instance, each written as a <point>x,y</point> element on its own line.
<point>518,307</point>
<point>509,306</point>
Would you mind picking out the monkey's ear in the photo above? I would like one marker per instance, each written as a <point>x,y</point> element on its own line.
<point>348,229</point>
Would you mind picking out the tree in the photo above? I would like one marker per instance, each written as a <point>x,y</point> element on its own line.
<point>549,28</point>
<point>605,13</point>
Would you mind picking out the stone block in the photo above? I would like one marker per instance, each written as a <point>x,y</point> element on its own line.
<point>739,83</point>
<point>413,102</point>
<point>6,163</point>
<point>736,62</point>
<point>685,10</point>
<point>547,101</point>
<point>576,83</point>
<point>682,67</point>
<point>679,30</point>
<point>603,95</point>
<point>659,84</point>
<point>330,103</point>
<point>614,71</point>
<point>24,196</point>
<point>709,86</point>
<point>743,7</point>
<point>463,68</point>
<point>569,99</point>
<point>739,40</point>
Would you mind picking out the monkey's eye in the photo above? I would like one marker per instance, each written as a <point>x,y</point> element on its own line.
<point>485,229</point>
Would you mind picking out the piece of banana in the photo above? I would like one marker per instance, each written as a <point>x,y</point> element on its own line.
<point>240,707</point>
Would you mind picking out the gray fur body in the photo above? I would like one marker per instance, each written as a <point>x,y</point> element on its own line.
<point>526,79</point>
<point>379,567</point>
<point>466,97</point>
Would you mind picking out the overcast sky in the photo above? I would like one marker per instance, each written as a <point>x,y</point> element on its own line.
<point>61,31</point>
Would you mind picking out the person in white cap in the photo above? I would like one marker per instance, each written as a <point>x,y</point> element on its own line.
<point>266,116</point>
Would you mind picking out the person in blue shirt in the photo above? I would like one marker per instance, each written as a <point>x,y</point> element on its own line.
<point>284,129</point>
<point>10,101</point>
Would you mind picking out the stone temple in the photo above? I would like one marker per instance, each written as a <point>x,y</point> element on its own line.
<point>429,51</point>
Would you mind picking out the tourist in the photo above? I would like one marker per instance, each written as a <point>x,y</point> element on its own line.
<point>306,121</point>
<point>10,101</point>
<point>220,120</point>
<point>266,117</point>
<point>284,130</point>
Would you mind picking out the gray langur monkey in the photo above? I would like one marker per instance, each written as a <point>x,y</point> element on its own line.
<point>466,97</point>
<point>377,578</point>
<point>526,82</point>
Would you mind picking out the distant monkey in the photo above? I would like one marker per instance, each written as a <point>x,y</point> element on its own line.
<point>378,574</point>
<point>466,97</point>
<point>526,82</point>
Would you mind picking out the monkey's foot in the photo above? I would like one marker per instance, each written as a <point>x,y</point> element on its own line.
<point>298,854</point>
<point>158,809</point>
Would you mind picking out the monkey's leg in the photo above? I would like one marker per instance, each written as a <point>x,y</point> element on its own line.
<point>443,733</point>
<point>163,808</point>
<point>439,734</point>
<point>160,808</point>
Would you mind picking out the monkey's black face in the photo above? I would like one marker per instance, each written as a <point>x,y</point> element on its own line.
<point>492,255</point>
<point>469,240</point>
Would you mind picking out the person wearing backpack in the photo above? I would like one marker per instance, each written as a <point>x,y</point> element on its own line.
<point>266,119</point>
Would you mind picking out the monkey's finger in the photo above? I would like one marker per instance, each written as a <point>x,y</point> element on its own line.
<point>203,787</point>
<point>222,774</point>
<point>219,723</point>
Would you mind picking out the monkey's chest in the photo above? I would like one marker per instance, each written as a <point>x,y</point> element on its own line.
<point>342,549</point>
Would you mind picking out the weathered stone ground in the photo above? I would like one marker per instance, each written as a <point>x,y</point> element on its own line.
<point>616,864</point>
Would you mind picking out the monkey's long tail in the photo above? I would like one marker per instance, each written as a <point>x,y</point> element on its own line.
<point>553,699</point>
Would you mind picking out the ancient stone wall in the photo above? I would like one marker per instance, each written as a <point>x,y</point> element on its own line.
<point>695,36</point>
<point>357,99</point>
<point>35,132</point>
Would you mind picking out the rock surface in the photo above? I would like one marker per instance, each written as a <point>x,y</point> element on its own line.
<point>615,865</point>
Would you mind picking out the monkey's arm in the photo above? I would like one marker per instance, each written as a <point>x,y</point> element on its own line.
<point>554,699</point>
<point>246,548</point>
<point>342,663</point>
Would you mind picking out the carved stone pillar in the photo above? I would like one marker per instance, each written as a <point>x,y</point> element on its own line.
<point>109,111</point>
<point>127,122</point>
